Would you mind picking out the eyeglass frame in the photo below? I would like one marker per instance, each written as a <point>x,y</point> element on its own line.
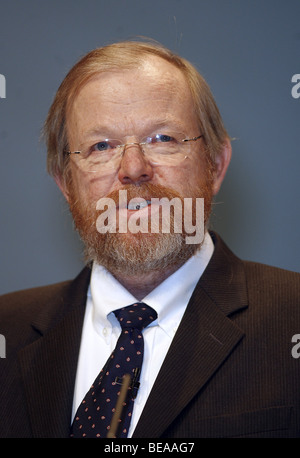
<point>140,144</point>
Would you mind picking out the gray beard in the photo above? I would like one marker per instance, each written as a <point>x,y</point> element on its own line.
<point>142,253</point>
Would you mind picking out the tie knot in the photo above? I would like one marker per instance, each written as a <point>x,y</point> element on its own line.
<point>138,315</point>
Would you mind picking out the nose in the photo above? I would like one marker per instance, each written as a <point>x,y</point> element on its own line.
<point>134,167</point>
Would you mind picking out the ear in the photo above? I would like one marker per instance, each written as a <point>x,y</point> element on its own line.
<point>222,163</point>
<point>61,183</point>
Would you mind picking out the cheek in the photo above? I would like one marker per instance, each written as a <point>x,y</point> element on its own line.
<point>185,178</point>
<point>200,171</point>
<point>89,187</point>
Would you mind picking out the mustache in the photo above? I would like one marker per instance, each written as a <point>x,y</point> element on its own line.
<point>144,191</point>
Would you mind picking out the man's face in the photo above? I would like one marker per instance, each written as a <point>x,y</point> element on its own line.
<point>129,106</point>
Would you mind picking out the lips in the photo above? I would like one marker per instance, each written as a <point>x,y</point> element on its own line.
<point>137,204</point>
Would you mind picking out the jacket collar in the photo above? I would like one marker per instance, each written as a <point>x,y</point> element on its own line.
<point>224,279</point>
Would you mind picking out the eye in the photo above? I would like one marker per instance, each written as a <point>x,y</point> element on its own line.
<point>104,145</point>
<point>163,138</point>
<point>167,138</point>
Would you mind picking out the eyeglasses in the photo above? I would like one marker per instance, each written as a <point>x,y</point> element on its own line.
<point>169,148</point>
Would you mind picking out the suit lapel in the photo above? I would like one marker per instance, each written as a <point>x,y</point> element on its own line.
<point>204,340</point>
<point>48,365</point>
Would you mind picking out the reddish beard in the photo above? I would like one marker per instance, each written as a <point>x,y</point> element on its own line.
<point>139,252</point>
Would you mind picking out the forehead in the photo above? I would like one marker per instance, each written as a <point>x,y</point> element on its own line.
<point>155,92</point>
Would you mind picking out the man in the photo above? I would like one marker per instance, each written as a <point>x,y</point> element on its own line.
<point>133,124</point>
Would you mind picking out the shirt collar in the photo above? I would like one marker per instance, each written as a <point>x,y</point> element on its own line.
<point>169,299</point>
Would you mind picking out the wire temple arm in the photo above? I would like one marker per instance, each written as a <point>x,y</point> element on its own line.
<point>192,139</point>
<point>72,152</point>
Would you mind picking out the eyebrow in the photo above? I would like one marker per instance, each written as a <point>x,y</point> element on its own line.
<point>107,132</point>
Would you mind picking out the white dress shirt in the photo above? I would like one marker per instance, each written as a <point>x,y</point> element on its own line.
<point>101,329</point>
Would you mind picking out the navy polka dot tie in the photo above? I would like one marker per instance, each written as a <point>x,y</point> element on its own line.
<point>94,415</point>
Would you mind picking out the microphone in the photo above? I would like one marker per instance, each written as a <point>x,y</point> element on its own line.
<point>135,384</point>
<point>126,382</point>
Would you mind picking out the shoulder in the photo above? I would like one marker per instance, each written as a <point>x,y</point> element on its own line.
<point>273,302</point>
<point>18,310</point>
<point>258,275</point>
<point>272,280</point>
<point>30,300</point>
<point>45,304</point>
<point>261,286</point>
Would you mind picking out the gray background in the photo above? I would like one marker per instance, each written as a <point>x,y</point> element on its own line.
<point>248,50</point>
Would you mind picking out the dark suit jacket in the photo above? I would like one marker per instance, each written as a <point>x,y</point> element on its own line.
<point>229,372</point>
